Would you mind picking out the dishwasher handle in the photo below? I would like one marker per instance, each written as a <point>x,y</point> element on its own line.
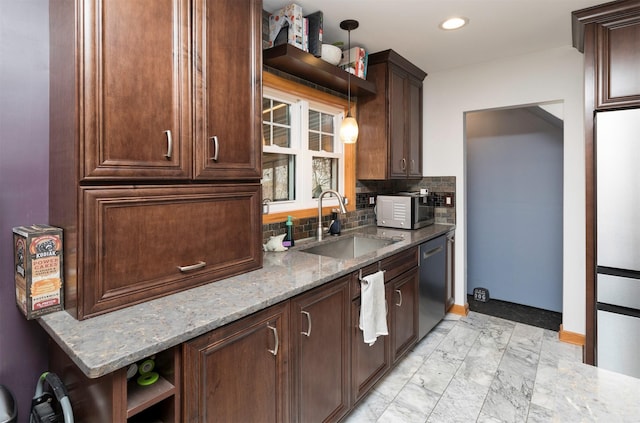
<point>431,252</point>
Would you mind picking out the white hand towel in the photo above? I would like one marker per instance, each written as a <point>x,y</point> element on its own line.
<point>373,310</point>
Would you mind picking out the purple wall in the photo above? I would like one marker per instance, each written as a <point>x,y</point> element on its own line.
<point>24,179</point>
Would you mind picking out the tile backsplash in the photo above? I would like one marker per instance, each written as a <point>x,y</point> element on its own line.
<point>442,188</point>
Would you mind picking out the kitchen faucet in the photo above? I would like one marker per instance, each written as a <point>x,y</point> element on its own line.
<point>340,203</point>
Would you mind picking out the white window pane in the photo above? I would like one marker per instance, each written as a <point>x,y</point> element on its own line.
<point>314,141</point>
<point>276,122</point>
<point>314,120</point>
<point>281,113</point>
<point>278,173</point>
<point>327,123</point>
<point>281,136</point>
<point>324,175</point>
<point>327,142</point>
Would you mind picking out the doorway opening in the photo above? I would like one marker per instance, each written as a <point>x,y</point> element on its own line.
<point>514,198</point>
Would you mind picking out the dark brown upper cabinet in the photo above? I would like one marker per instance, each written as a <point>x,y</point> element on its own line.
<point>610,37</point>
<point>390,141</point>
<point>146,99</point>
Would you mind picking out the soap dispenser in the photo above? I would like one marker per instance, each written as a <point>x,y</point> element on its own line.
<point>288,241</point>
<point>334,226</point>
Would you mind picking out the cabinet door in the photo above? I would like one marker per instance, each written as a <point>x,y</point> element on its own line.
<point>240,372</point>
<point>404,313</point>
<point>397,119</point>
<point>368,362</point>
<point>618,55</point>
<point>413,126</point>
<point>228,75</point>
<point>320,345</point>
<point>135,88</point>
<point>143,243</point>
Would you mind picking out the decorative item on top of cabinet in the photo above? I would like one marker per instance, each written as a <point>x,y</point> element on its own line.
<point>609,35</point>
<point>240,372</point>
<point>301,64</point>
<point>391,121</point>
<point>146,99</point>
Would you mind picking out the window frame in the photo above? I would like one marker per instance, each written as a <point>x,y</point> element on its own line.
<point>326,101</point>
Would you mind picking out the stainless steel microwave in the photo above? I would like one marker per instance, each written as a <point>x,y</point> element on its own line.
<point>405,210</point>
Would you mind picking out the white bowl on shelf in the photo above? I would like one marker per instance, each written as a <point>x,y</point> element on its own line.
<point>331,54</point>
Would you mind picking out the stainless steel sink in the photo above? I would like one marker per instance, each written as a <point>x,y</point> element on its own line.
<point>348,247</point>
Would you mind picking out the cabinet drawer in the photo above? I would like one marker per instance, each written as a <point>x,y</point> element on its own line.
<point>143,243</point>
<point>393,267</point>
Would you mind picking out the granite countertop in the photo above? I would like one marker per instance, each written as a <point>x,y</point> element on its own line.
<point>105,343</point>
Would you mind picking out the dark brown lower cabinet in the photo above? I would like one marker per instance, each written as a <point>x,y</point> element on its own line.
<point>302,360</point>
<point>404,313</point>
<point>320,353</point>
<point>240,372</point>
<point>368,362</point>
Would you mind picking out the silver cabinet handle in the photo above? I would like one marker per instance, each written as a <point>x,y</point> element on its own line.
<point>199,265</point>
<point>308,332</point>
<point>404,164</point>
<point>274,351</point>
<point>216,148</point>
<point>413,164</point>
<point>399,304</point>
<point>169,144</point>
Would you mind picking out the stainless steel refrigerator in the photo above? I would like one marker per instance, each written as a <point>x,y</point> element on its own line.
<point>618,241</point>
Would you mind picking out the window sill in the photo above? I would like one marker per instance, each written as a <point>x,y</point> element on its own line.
<point>301,214</point>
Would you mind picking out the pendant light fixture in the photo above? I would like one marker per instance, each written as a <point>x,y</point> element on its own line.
<point>349,127</point>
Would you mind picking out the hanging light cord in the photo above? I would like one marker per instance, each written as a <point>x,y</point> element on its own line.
<point>349,76</point>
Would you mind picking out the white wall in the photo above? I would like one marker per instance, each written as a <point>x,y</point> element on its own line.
<point>552,75</point>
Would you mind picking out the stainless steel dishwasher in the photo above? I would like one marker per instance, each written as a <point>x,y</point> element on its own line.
<point>433,264</point>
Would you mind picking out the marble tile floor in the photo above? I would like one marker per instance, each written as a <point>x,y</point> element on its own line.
<point>481,368</point>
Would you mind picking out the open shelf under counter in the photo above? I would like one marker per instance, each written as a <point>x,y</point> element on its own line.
<point>294,61</point>
<point>140,398</point>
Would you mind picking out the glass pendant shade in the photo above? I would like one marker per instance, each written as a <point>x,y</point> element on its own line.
<point>349,130</point>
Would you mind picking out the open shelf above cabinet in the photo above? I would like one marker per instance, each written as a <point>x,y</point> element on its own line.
<point>294,61</point>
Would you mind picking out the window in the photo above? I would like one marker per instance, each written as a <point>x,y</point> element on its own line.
<point>302,154</point>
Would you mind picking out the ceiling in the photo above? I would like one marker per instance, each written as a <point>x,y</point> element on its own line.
<point>496,29</point>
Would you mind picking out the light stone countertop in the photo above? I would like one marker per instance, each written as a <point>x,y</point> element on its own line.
<point>105,343</point>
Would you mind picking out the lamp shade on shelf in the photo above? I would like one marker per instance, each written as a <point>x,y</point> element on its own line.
<point>349,130</point>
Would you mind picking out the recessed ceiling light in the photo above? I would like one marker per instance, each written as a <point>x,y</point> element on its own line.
<point>454,23</point>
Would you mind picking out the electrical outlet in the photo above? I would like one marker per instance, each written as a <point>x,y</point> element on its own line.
<point>372,200</point>
<point>448,200</point>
